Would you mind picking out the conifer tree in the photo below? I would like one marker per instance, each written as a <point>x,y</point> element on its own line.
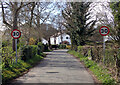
<point>76,16</point>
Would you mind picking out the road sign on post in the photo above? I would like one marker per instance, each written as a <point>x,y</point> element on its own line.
<point>16,34</point>
<point>104,30</point>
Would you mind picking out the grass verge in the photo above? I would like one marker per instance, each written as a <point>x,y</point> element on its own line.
<point>16,69</point>
<point>101,73</point>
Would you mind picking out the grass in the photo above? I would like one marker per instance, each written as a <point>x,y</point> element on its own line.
<point>101,73</point>
<point>17,69</point>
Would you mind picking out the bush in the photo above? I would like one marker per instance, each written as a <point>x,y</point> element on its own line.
<point>68,46</point>
<point>79,48</point>
<point>62,46</point>
<point>54,46</point>
<point>7,56</point>
<point>32,41</point>
<point>5,43</point>
<point>19,45</point>
<point>27,52</point>
<point>46,48</point>
<point>40,48</point>
<point>83,50</point>
<point>29,58</point>
<point>34,50</point>
<point>17,69</point>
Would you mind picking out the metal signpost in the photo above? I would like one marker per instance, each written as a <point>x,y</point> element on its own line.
<point>16,34</point>
<point>104,30</point>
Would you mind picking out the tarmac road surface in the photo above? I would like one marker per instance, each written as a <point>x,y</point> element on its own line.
<point>57,67</point>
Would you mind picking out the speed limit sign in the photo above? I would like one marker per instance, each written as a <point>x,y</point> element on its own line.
<point>16,34</point>
<point>104,30</point>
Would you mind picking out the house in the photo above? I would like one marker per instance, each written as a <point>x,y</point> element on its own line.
<point>44,41</point>
<point>60,38</point>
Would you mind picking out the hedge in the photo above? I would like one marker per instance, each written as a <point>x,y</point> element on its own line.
<point>27,52</point>
<point>62,46</point>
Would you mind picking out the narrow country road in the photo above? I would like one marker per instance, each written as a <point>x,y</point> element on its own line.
<point>57,67</point>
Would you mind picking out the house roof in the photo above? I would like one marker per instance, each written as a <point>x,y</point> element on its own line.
<point>57,34</point>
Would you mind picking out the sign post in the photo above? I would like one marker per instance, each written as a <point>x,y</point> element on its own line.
<point>104,30</point>
<point>104,49</point>
<point>16,34</point>
<point>16,49</point>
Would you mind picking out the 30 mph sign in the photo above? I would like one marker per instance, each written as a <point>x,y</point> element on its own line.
<point>16,34</point>
<point>104,31</point>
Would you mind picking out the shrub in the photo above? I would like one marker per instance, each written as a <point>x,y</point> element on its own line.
<point>34,50</point>
<point>27,52</point>
<point>40,48</point>
<point>79,49</point>
<point>5,43</point>
<point>13,70</point>
<point>74,47</point>
<point>54,46</point>
<point>83,50</point>
<point>19,45</point>
<point>68,46</point>
<point>62,46</point>
<point>17,69</point>
<point>32,41</point>
<point>46,48</point>
<point>7,56</point>
<point>97,53</point>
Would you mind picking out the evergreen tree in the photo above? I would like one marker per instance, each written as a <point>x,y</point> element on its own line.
<point>116,12</point>
<point>116,34</point>
<point>76,16</point>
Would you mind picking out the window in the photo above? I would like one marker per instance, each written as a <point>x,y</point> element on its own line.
<point>66,37</point>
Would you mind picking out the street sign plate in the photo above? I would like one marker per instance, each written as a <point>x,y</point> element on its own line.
<point>16,34</point>
<point>104,30</point>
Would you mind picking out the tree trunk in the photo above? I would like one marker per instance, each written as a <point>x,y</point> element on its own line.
<point>49,44</point>
<point>61,36</point>
<point>15,16</point>
<point>118,69</point>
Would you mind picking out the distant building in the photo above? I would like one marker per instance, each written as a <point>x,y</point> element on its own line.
<point>44,41</point>
<point>60,39</point>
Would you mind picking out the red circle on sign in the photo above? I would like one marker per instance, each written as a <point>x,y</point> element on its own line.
<point>18,36</point>
<point>106,33</point>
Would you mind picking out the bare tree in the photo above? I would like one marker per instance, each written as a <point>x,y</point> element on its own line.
<point>28,17</point>
<point>14,8</point>
<point>42,15</point>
